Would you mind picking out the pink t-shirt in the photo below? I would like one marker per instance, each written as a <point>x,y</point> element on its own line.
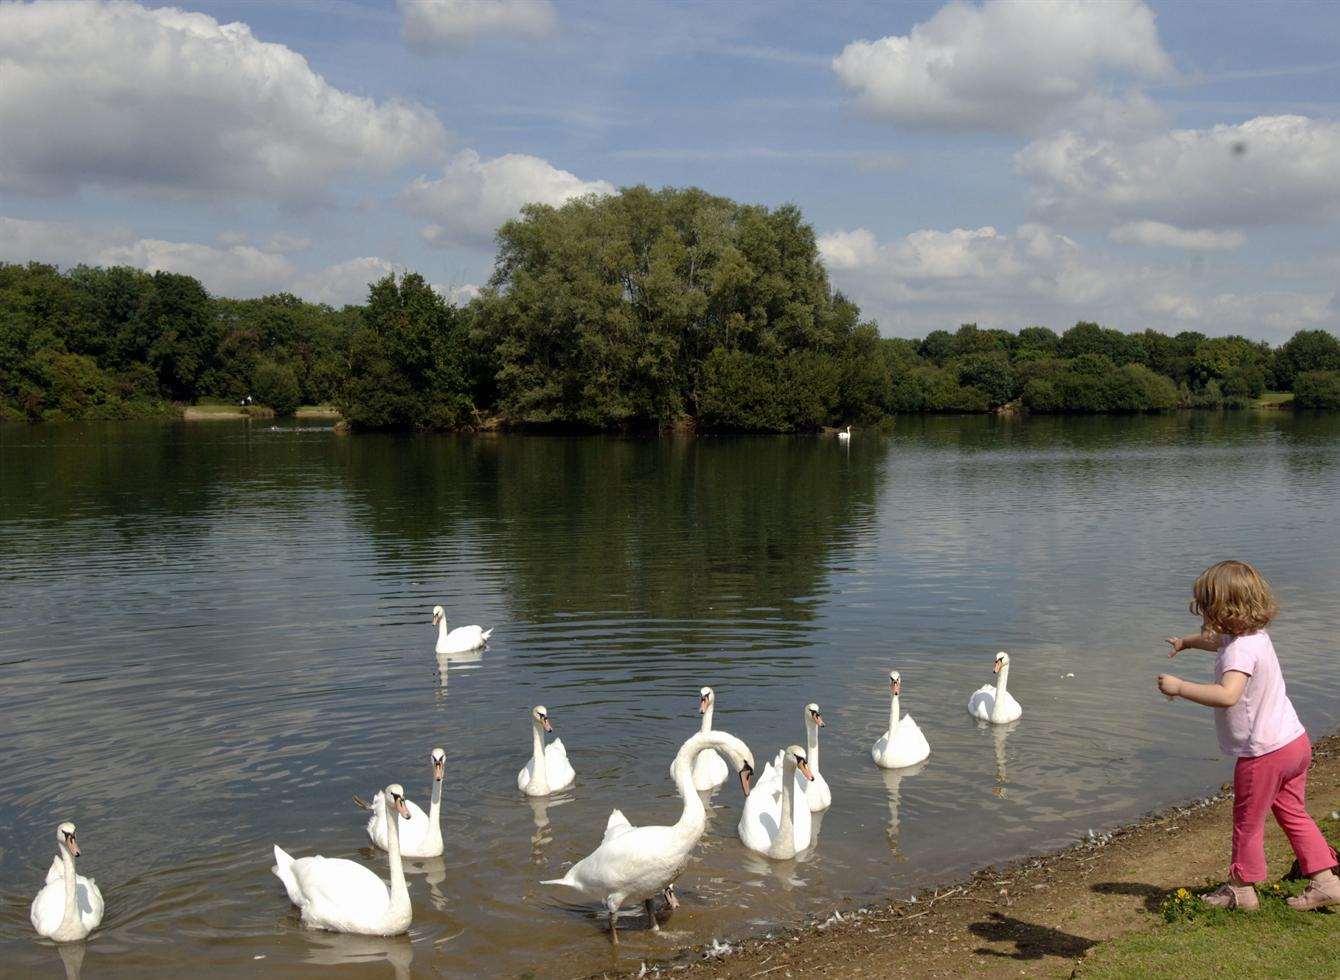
<point>1263,720</point>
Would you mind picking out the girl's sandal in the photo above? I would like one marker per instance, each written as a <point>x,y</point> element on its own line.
<point>1230,896</point>
<point>1318,894</point>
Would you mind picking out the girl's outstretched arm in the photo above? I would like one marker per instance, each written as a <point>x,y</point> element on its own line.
<point>1204,640</point>
<point>1225,694</point>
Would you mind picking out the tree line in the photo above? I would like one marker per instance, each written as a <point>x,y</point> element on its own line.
<point>644,309</point>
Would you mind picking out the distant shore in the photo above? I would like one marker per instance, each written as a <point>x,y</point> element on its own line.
<point>1051,915</point>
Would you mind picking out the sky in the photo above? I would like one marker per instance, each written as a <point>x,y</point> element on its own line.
<point>1165,165</point>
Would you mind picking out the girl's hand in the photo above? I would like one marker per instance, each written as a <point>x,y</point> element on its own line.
<point>1177,646</point>
<point>1169,685</point>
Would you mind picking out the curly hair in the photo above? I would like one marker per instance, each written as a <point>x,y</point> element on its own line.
<point>1232,598</point>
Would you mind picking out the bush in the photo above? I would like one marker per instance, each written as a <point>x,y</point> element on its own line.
<point>277,386</point>
<point>1317,389</point>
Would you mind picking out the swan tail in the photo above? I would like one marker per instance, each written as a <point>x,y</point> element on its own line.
<point>486,634</point>
<point>566,881</point>
<point>361,803</point>
<point>283,870</point>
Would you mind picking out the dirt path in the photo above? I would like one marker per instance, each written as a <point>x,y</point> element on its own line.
<point>1034,919</point>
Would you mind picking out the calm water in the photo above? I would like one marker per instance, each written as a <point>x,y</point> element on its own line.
<point>211,636</point>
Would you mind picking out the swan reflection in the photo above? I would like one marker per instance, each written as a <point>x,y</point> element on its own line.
<point>999,736</point>
<point>347,949</point>
<point>893,782</point>
<point>463,660</point>
<point>72,958</point>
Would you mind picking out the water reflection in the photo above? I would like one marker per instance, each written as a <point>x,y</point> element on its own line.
<point>893,786</point>
<point>72,959</point>
<point>999,736</point>
<point>338,949</point>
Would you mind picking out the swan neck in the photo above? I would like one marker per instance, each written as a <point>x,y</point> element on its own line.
<point>812,742</point>
<point>399,890</point>
<point>71,914</point>
<point>998,704</point>
<point>786,830</point>
<point>442,629</point>
<point>707,718</point>
<point>540,769</point>
<point>435,804</point>
<point>693,818</point>
<point>894,714</point>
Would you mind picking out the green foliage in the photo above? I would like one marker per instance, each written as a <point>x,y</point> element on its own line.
<point>276,386</point>
<point>1317,389</point>
<point>641,308</point>
<point>1307,350</point>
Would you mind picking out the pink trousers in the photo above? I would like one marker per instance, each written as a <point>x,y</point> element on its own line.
<point>1275,783</point>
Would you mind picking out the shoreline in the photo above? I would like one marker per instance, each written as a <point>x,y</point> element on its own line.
<point>1038,915</point>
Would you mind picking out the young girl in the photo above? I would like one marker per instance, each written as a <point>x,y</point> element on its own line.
<point>1255,722</point>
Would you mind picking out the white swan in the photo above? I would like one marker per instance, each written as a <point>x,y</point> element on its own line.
<point>709,769</point>
<point>69,906</point>
<point>344,896</point>
<point>548,769</point>
<point>776,819</point>
<point>817,794</point>
<point>845,435</point>
<point>638,863</point>
<point>420,833</point>
<point>903,744</point>
<point>992,702</point>
<point>459,640</point>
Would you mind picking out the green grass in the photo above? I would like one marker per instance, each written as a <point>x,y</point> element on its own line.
<point>1200,941</point>
<point>316,412</point>
<point>1274,399</point>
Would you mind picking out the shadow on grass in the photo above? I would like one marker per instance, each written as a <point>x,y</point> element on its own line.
<point>1031,942</point>
<point>1152,894</point>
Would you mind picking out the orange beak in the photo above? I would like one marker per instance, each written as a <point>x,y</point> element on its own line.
<point>401,808</point>
<point>745,774</point>
<point>545,721</point>
<point>702,706</point>
<point>804,768</point>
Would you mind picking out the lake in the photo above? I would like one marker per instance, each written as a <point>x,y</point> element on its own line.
<point>212,635</point>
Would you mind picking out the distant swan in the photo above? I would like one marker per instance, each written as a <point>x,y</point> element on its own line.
<point>845,435</point>
<point>420,833</point>
<point>709,769</point>
<point>992,702</point>
<point>344,896</point>
<point>817,794</point>
<point>638,863</point>
<point>459,640</point>
<point>69,906</point>
<point>776,821</point>
<point>903,744</point>
<point>548,769</point>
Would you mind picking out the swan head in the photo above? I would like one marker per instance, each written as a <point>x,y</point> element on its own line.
<point>797,755</point>
<point>738,753</point>
<point>812,715</point>
<point>1002,661</point>
<point>439,614</point>
<point>439,758</point>
<point>706,698</point>
<point>65,837</point>
<point>395,796</point>
<point>895,682</point>
<point>539,715</point>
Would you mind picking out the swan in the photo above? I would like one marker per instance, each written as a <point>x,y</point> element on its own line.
<point>69,906</point>
<point>420,833</point>
<point>994,703</point>
<point>548,770</point>
<point>903,744</point>
<point>845,435</point>
<point>709,769</point>
<point>817,794</point>
<point>344,896</point>
<point>776,821</point>
<point>638,863</point>
<point>459,640</point>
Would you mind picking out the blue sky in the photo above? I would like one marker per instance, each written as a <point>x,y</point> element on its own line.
<point>1166,164</point>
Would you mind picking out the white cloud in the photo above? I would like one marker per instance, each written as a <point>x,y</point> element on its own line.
<point>474,196</point>
<point>459,295</point>
<point>342,283</point>
<point>431,25</point>
<point>1013,65</point>
<point>1267,170</point>
<point>934,279</point>
<point>117,95</point>
<point>284,242</point>
<point>238,270</point>
<point>1159,234</point>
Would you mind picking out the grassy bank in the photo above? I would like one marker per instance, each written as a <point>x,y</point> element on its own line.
<point>1275,399</point>
<point>1098,909</point>
<point>218,411</point>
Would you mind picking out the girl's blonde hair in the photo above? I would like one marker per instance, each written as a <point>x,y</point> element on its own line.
<point>1232,597</point>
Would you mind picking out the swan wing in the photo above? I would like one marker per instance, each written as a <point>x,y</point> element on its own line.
<point>335,890</point>
<point>761,817</point>
<point>635,864</point>
<point>89,898</point>
<point>709,770</point>
<point>616,825</point>
<point>463,638</point>
<point>524,776</point>
<point>979,705</point>
<point>57,870</point>
<point>561,773</point>
<point>377,823</point>
<point>48,908</point>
